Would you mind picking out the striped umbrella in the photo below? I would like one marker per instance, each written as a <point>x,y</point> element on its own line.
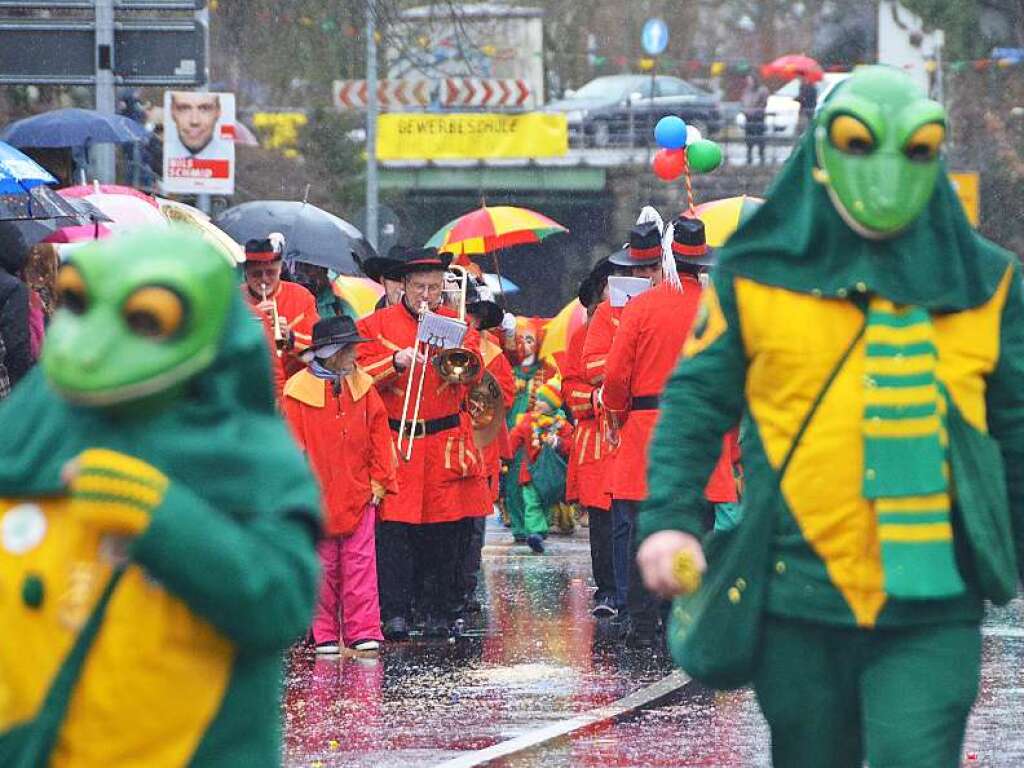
<point>560,329</point>
<point>487,230</point>
<point>360,293</point>
<point>722,217</point>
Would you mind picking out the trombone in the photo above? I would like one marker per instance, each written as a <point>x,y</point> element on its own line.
<point>454,363</point>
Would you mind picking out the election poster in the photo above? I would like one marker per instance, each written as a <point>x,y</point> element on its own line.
<point>199,143</point>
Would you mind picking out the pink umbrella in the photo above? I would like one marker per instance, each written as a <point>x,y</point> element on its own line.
<point>78,234</point>
<point>126,208</point>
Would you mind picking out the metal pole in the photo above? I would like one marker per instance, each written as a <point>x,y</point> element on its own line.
<point>203,201</point>
<point>103,157</point>
<point>371,123</point>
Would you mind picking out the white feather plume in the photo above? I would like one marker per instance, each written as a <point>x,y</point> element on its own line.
<point>649,213</point>
<point>669,272</point>
<point>277,240</point>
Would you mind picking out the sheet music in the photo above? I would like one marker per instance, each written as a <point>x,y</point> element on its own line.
<point>440,331</point>
<point>622,289</point>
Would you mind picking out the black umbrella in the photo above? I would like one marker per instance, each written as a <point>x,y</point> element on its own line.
<point>24,233</point>
<point>312,234</point>
<point>40,202</point>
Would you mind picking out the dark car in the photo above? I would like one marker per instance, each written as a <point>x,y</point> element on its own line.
<point>621,110</point>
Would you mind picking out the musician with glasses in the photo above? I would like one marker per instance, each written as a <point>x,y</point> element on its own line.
<point>288,310</point>
<point>442,479</point>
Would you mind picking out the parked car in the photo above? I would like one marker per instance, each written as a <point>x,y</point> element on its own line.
<point>622,110</point>
<point>782,112</point>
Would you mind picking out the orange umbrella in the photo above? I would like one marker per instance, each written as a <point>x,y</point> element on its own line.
<point>560,329</point>
<point>360,293</point>
<point>722,217</point>
<point>487,230</point>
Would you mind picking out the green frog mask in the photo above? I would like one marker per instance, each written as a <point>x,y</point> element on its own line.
<point>877,141</point>
<point>139,315</point>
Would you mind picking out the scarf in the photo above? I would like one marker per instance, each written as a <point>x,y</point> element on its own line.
<point>906,472</point>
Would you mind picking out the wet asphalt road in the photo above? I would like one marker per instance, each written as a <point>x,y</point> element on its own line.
<point>536,657</point>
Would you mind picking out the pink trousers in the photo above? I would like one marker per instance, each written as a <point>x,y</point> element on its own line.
<point>348,608</point>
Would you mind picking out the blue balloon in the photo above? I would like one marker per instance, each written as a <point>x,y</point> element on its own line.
<point>670,132</point>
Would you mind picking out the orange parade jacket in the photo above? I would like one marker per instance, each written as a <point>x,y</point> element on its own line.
<point>346,437</point>
<point>647,346</point>
<point>497,364</point>
<point>600,332</point>
<point>298,307</point>
<point>446,478</point>
<point>584,480</point>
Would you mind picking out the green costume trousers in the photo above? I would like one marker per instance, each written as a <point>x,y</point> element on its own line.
<point>836,696</point>
<point>535,516</point>
<point>515,504</point>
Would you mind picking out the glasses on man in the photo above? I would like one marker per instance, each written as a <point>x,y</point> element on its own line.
<point>263,271</point>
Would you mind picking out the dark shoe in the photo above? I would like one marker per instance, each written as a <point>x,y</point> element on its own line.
<point>604,609</point>
<point>473,605</point>
<point>535,542</point>
<point>396,629</point>
<point>435,626</point>
<point>641,639</point>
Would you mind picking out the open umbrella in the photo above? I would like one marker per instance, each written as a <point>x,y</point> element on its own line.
<point>126,208</point>
<point>181,213</point>
<point>793,65</point>
<point>722,217</point>
<point>19,172</point>
<point>560,329</point>
<point>311,234</point>
<point>487,230</point>
<point>360,293</point>
<point>73,128</point>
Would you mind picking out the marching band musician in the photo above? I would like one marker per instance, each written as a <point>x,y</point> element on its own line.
<point>444,480</point>
<point>586,467</point>
<point>640,258</point>
<point>288,310</point>
<point>652,329</point>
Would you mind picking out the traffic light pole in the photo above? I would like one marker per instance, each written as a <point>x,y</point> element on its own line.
<point>104,161</point>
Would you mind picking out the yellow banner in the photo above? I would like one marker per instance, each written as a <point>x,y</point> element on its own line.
<point>968,188</point>
<point>470,136</point>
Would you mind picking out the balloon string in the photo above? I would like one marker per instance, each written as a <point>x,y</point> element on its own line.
<point>689,185</point>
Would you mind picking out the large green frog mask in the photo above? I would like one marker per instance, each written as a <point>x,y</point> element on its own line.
<point>139,315</point>
<point>877,141</point>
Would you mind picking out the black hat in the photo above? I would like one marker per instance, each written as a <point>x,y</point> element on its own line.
<point>482,307</point>
<point>377,268</point>
<point>593,284</point>
<point>330,335</point>
<point>263,249</point>
<point>410,260</point>
<point>689,242</point>
<point>644,247</point>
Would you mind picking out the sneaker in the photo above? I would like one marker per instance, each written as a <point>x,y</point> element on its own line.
<point>365,645</point>
<point>535,542</point>
<point>604,609</point>
<point>435,626</point>
<point>396,628</point>
<point>327,649</point>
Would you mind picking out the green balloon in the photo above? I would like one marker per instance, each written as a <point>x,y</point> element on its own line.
<point>704,156</point>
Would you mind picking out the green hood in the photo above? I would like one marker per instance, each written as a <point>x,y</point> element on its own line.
<point>798,241</point>
<point>222,438</point>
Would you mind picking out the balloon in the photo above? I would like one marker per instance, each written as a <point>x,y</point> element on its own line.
<point>693,135</point>
<point>670,133</point>
<point>669,164</point>
<point>704,156</point>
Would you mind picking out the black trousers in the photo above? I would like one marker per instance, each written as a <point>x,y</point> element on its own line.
<point>601,563</point>
<point>416,560</point>
<point>472,556</point>
<point>644,607</point>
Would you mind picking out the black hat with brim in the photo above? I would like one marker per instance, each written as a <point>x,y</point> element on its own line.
<point>378,268</point>
<point>412,260</point>
<point>689,242</point>
<point>330,335</point>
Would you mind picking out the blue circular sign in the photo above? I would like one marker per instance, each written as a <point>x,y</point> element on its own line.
<point>655,37</point>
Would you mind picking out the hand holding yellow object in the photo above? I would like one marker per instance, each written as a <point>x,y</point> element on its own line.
<point>685,569</point>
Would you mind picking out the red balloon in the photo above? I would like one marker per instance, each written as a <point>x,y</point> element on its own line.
<point>669,164</point>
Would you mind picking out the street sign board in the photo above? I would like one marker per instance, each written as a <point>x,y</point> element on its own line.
<point>655,37</point>
<point>146,52</point>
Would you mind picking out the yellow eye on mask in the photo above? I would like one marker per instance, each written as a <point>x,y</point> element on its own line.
<point>850,135</point>
<point>924,144</point>
<point>154,312</point>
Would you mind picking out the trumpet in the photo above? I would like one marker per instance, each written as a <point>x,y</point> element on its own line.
<point>455,364</point>
<point>275,319</point>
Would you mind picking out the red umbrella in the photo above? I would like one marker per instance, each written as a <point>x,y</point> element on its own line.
<point>793,65</point>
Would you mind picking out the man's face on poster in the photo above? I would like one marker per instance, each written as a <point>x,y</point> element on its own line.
<point>195,115</point>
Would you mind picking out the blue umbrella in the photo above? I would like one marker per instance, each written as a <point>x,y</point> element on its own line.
<point>19,173</point>
<point>73,128</point>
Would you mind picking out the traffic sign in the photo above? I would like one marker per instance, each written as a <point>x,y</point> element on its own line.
<point>655,37</point>
<point>508,93</point>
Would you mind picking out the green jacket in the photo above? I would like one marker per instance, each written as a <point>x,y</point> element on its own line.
<point>763,352</point>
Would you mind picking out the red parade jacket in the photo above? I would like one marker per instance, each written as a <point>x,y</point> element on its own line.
<point>653,328</point>
<point>446,479</point>
<point>348,443</point>
<point>298,308</point>
<point>522,436</point>
<point>497,364</point>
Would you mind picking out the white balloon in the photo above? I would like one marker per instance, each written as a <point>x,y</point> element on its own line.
<point>692,135</point>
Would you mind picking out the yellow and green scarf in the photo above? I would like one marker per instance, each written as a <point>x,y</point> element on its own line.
<point>906,473</point>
